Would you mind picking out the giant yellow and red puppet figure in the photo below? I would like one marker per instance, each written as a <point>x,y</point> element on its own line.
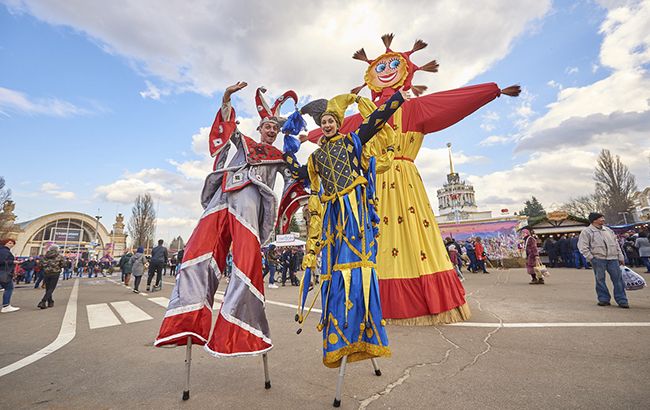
<point>418,284</point>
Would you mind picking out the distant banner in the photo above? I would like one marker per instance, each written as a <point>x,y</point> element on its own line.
<point>499,238</point>
<point>67,235</point>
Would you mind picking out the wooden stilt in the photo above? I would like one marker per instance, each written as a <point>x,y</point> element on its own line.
<point>339,383</point>
<point>375,366</point>
<point>188,364</point>
<point>267,379</point>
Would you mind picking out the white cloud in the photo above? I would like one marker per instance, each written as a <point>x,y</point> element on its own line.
<point>572,70</point>
<point>206,45</point>
<point>494,140</point>
<point>16,101</point>
<point>555,84</point>
<point>54,190</point>
<point>153,91</point>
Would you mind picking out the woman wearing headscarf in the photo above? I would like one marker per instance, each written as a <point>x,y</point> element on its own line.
<point>532,256</point>
<point>138,262</point>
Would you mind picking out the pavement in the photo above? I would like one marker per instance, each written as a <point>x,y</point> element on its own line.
<point>525,347</point>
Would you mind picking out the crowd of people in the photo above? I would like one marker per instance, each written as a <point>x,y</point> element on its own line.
<point>470,253</point>
<point>157,265</point>
<point>285,262</point>
<point>46,269</point>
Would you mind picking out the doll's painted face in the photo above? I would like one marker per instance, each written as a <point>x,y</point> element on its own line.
<point>389,70</point>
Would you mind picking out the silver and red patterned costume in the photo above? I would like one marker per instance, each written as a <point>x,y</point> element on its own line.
<point>240,210</point>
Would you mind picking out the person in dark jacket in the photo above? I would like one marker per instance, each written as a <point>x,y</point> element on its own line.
<point>28,266</point>
<point>159,258</point>
<point>7,274</point>
<point>51,264</point>
<point>551,249</point>
<point>125,265</point>
<point>564,246</point>
<point>579,261</point>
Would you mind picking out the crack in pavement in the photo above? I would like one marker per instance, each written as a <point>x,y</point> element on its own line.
<point>486,342</point>
<point>363,404</point>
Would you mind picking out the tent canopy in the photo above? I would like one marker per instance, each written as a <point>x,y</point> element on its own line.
<point>287,240</point>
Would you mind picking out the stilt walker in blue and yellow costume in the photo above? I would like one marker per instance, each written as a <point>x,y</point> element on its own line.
<point>343,228</point>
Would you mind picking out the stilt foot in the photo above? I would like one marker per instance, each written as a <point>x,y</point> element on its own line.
<point>378,372</point>
<point>186,395</point>
<point>267,385</point>
<point>337,403</point>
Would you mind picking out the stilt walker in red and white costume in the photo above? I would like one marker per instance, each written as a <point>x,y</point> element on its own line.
<point>240,209</point>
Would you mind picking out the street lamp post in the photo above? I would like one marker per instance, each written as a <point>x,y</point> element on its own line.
<point>97,218</point>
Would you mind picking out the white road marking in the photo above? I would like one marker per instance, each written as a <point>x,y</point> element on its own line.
<point>164,302</point>
<point>491,325</point>
<point>129,312</point>
<point>567,324</point>
<point>66,334</point>
<point>100,315</point>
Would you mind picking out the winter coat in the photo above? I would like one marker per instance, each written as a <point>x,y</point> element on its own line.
<point>531,251</point>
<point>28,265</point>
<point>52,263</point>
<point>125,263</point>
<point>159,254</point>
<point>599,243</point>
<point>6,260</point>
<point>137,264</point>
<point>643,245</point>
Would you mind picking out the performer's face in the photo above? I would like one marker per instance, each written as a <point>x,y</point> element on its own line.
<point>387,71</point>
<point>328,125</point>
<point>269,132</point>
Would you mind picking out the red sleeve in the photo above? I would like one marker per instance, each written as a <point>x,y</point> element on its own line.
<point>437,111</point>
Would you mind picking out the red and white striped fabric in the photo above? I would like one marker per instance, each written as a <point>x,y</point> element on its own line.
<point>241,327</point>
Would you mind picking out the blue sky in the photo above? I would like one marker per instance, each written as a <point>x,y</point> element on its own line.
<point>99,102</point>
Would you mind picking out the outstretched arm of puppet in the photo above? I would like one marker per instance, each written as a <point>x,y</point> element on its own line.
<point>437,111</point>
<point>315,228</point>
<point>371,125</point>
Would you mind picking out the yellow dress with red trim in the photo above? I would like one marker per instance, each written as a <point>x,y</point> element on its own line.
<point>417,281</point>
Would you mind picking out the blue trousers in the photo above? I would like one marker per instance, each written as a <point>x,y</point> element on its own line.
<point>9,289</point>
<point>579,260</point>
<point>612,266</point>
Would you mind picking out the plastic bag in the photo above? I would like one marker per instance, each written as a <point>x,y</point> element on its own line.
<point>632,280</point>
<point>541,271</point>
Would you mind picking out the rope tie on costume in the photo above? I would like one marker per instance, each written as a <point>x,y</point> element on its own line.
<point>404,159</point>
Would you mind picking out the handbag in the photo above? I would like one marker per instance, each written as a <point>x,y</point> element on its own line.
<point>632,280</point>
<point>541,271</point>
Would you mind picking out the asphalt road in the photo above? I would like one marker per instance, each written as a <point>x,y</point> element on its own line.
<point>526,347</point>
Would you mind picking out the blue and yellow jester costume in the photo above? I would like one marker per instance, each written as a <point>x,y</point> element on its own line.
<point>343,227</point>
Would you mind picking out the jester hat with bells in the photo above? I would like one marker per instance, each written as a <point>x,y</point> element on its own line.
<point>272,114</point>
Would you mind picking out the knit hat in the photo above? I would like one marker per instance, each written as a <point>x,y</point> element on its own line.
<point>593,216</point>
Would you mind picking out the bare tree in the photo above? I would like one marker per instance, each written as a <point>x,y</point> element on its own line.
<point>5,220</point>
<point>142,224</point>
<point>582,206</point>
<point>615,186</point>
